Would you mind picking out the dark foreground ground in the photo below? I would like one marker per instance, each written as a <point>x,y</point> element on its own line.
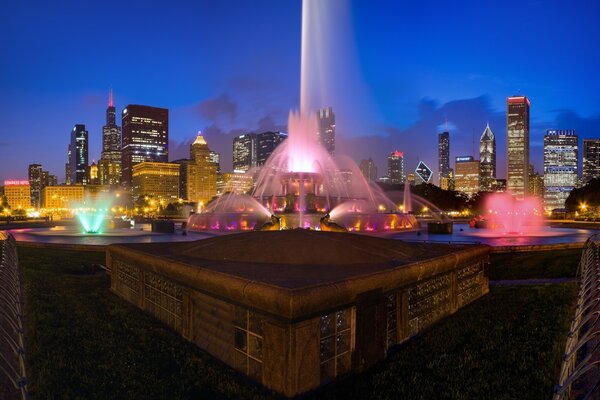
<point>84,342</point>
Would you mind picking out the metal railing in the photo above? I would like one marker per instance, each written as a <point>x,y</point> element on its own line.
<point>580,370</point>
<point>12,341</point>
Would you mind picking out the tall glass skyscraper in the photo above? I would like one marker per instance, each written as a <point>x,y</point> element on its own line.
<point>517,146</point>
<point>591,159</point>
<point>145,138</point>
<point>395,163</point>
<point>443,155</point>
<point>109,165</point>
<point>560,167</point>
<point>487,159</point>
<point>254,149</point>
<point>326,133</point>
<point>79,155</point>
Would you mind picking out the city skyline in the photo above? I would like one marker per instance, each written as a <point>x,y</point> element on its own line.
<point>226,102</point>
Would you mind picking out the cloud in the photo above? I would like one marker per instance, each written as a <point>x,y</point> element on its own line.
<point>216,108</point>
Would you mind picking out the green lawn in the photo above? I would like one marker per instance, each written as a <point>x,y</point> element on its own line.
<point>84,342</point>
<point>535,265</point>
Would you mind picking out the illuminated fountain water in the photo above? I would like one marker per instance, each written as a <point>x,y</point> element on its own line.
<point>92,213</point>
<point>508,216</point>
<point>301,183</point>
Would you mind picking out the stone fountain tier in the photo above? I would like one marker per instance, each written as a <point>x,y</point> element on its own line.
<point>271,304</point>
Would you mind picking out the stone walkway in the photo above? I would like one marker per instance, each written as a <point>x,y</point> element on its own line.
<point>546,281</point>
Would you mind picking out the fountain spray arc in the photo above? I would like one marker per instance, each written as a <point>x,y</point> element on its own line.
<point>301,184</point>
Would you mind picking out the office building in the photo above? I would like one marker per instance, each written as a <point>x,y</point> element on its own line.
<point>109,165</point>
<point>156,179</point>
<point>443,156</point>
<point>517,146</point>
<point>62,197</point>
<point>68,166</point>
<point>591,159</point>
<point>487,159</point>
<point>236,182</point>
<point>423,173</point>
<point>326,132</point>
<point>369,169</point>
<point>536,183</point>
<point>560,167</point>
<point>447,183</point>
<point>466,176</point>
<point>395,164</point>
<point>145,138</point>
<point>252,150</point>
<point>79,155</point>
<point>36,183</point>
<point>202,184</point>
<point>18,194</point>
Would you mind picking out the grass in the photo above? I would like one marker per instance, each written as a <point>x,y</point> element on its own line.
<point>535,265</point>
<point>84,342</point>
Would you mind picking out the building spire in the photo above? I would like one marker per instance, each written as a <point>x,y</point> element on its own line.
<point>110,98</point>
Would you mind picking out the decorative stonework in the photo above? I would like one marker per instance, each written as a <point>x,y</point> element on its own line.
<point>248,343</point>
<point>164,300</point>
<point>335,344</point>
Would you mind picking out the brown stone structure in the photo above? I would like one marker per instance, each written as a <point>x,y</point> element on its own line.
<point>296,309</point>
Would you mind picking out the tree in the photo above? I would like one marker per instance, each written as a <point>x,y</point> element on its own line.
<point>588,195</point>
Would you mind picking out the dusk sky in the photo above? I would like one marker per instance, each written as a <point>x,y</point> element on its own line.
<point>398,69</point>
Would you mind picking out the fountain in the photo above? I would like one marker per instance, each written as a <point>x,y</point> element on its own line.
<point>504,214</point>
<point>301,183</point>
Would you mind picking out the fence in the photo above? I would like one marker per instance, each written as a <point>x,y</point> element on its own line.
<point>581,362</point>
<point>12,349</point>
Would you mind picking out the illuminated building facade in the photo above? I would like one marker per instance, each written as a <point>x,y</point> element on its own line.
<point>369,169</point>
<point>36,183</point>
<point>447,183</point>
<point>395,164</point>
<point>466,177</point>
<point>254,149</point>
<point>68,166</point>
<point>145,138</point>
<point>62,197</point>
<point>326,132</point>
<point>591,159</point>
<point>487,159</point>
<point>536,183</point>
<point>423,173</point>
<point>79,155</point>
<point>236,182</point>
<point>156,179</point>
<point>109,165</point>
<point>443,156</point>
<point>517,146</point>
<point>560,166</point>
<point>202,182</point>
<point>18,194</point>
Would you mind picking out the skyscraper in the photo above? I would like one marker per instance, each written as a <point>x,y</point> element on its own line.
<point>395,171</point>
<point>79,155</point>
<point>517,145</point>
<point>326,133</point>
<point>487,159</point>
<point>466,178</point>
<point>591,159</point>
<point>109,165</point>
<point>254,149</point>
<point>204,173</point>
<point>68,166</point>
<point>560,167</point>
<point>145,138</point>
<point>244,152</point>
<point>35,184</point>
<point>369,169</point>
<point>443,155</point>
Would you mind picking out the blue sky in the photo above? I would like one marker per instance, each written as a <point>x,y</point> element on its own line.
<point>398,70</point>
